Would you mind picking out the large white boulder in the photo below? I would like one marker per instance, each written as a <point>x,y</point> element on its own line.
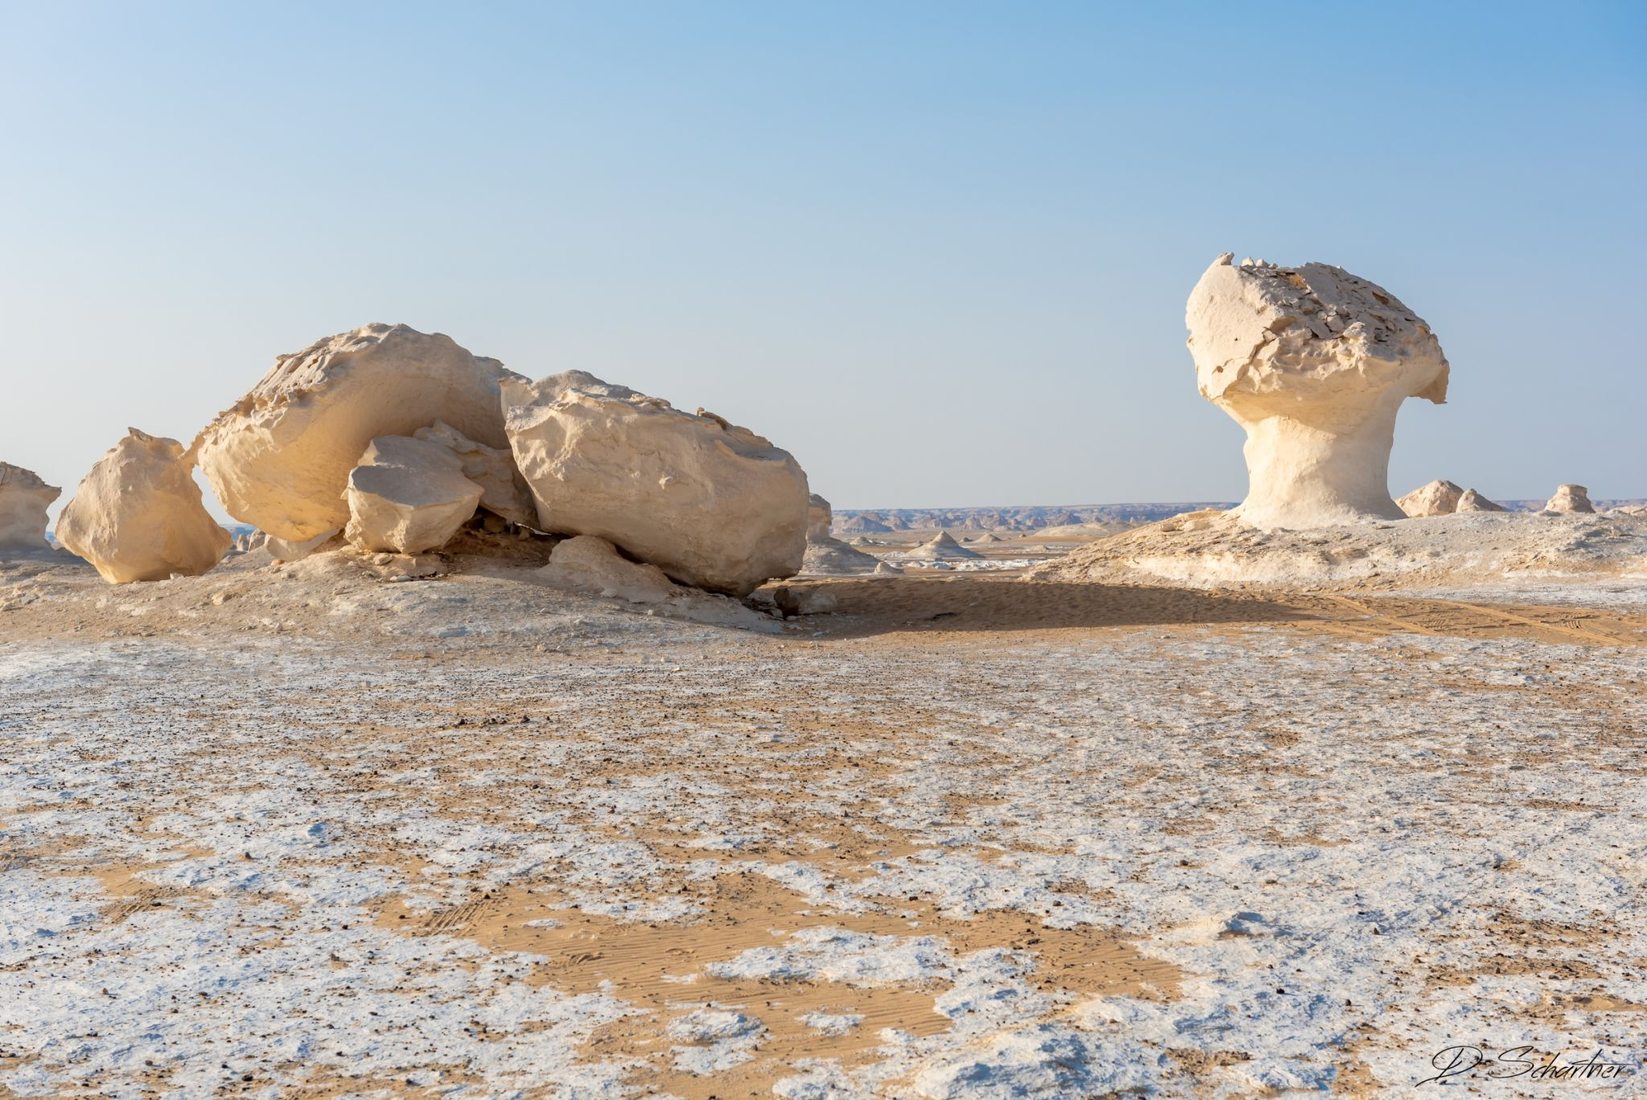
<point>24,498</point>
<point>407,496</point>
<point>1570,498</point>
<point>1434,498</point>
<point>279,459</point>
<point>711,504</point>
<point>138,516</point>
<point>1313,363</point>
<point>503,490</point>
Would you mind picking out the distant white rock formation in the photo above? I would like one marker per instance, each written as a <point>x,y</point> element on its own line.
<point>24,498</point>
<point>827,556</point>
<point>1570,498</point>
<point>1473,501</point>
<point>1435,498</point>
<point>407,496</point>
<point>138,515</point>
<point>1313,363</point>
<point>711,504</point>
<point>942,547</point>
<point>279,459</point>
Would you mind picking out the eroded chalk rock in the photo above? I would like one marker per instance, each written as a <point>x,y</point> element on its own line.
<point>1570,498</point>
<point>1473,501</point>
<point>711,504</point>
<point>24,498</point>
<point>819,516</point>
<point>942,547</point>
<point>279,459</point>
<point>827,556</point>
<point>407,496</point>
<point>503,490</point>
<point>138,515</point>
<point>1435,498</point>
<point>1313,363</point>
<point>593,566</point>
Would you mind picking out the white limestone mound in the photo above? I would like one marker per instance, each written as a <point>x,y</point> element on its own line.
<point>138,515</point>
<point>1313,363</point>
<point>1570,498</point>
<point>711,504</point>
<point>942,547</point>
<point>1435,498</point>
<point>503,490</point>
<point>986,537</point>
<point>819,517</point>
<point>408,496</point>
<point>1472,501</point>
<point>593,566</point>
<point>279,459</point>
<point>886,568</point>
<point>24,498</point>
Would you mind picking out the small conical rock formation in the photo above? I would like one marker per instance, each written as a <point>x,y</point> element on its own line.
<point>1473,501</point>
<point>1438,498</point>
<point>943,547</point>
<point>24,498</point>
<point>1570,498</point>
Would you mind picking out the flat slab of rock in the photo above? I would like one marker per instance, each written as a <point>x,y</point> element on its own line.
<point>279,459</point>
<point>408,496</point>
<point>711,504</point>
<point>24,498</point>
<point>138,515</point>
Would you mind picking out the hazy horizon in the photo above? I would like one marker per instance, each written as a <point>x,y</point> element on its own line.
<point>938,252</point>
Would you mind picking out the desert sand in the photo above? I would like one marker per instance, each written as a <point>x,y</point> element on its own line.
<point>329,828</point>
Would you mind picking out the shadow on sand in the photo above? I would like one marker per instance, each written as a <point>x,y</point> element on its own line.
<point>978,603</point>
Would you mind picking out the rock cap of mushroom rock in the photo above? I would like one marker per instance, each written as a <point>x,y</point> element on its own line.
<point>711,504</point>
<point>1313,362</point>
<point>1570,498</point>
<point>138,515</point>
<point>24,498</point>
<point>1434,498</point>
<point>279,458</point>
<point>407,496</point>
<point>1473,501</point>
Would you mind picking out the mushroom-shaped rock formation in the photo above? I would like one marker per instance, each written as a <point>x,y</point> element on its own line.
<point>280,457</point>
<point>408,495</point>
<point>1314,363</point>
<point>711,504</point>
<point>1435,498</point>
<point>504,491</point>
<point>24,498</point>
<point>827,556</point>
<point>1570,498</point>
<point>942,547</point>
<point>593,566</point>
<point>1473,501</point>
<point>138,516</point>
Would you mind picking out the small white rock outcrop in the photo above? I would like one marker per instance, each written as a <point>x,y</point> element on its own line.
<point>407,496</point>
<point>138,515</point>
<point>593,566</point>
<point>1313,363</point>
<point>1473,501</point>
<point>279,458</point>
<point>827,556</point>
<point>942,547</point>
<point>24,498</point>
<point>1570,498</point>
<point>1435,498</point>
<point>503,490</point>
<point>711,504</point>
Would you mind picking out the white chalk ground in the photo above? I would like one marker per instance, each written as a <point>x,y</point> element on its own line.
<point>1357,853</point>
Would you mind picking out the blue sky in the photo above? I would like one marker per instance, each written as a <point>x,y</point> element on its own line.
<point>937,250</point>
